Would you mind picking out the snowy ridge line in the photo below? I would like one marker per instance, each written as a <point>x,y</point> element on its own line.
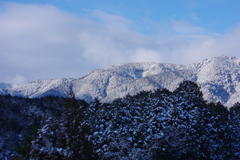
<point>219,78</point>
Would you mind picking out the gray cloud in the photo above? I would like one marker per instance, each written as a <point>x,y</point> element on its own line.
<point>41,42</point>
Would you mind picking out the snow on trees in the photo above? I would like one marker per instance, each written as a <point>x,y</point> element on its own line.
<point>150,125</point>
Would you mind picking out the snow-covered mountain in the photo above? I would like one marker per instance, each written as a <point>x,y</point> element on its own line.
<point>219,78</point>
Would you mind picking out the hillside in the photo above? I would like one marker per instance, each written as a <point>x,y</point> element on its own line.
<point>219,78</point>
<point>155,124</point>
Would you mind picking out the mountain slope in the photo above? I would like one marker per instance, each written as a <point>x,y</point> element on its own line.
<point>219,78</point>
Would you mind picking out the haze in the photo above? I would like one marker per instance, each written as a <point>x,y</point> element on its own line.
<point>69,38</point>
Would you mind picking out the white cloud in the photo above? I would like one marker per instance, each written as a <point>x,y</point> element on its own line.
<point>41,41</point>
<point>146,55</point>
<point>207,47</point>
<point>18,79</point>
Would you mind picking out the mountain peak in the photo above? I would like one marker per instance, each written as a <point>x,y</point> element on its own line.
<point>219,78</point>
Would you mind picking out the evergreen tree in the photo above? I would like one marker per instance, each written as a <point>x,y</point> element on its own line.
<point>233,138</point>
<point>64,138</point>
<point>23,150</point>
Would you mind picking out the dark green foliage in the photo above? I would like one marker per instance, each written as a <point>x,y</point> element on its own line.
<point>235,109</point>
<point>65,137</point>
<point>209,138</point>
<point>189,89</point>
<point>23,149</point>
<point>19,115</point>
<point>81,147</point>
<point>155,124</point>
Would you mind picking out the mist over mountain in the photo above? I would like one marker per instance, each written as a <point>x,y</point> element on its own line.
<point>219,78</point>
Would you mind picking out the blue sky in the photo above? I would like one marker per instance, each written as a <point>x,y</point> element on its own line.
<point>69,38</point>
<point>214,15</point>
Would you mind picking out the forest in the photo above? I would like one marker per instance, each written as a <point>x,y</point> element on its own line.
<point>157,125</point>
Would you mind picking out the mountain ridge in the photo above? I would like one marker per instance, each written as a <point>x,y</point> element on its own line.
<point>219,78</point>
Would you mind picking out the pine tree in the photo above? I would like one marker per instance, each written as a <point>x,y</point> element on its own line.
<point>233,143</point>
<point>23,150</point>
<point>64,138</point>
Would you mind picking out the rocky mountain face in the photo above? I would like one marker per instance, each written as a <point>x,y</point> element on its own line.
<point>219,78</point>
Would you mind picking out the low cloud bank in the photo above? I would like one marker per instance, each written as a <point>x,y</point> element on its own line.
<point>42,42</point>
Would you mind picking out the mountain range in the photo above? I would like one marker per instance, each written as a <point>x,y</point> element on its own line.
<point>218,77</point>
